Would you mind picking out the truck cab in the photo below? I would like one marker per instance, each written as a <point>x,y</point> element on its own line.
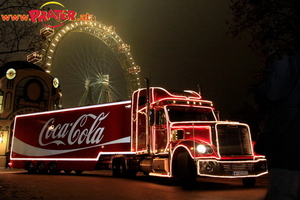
<point>176,133</point>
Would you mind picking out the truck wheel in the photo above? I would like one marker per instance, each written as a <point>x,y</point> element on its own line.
<point>78,172</point>
<point>115,167</point>
<point>30,168</point>
<point>68,171</point>
<point>41,168</point>
<point>186,171</point>
<point>249,182</point>
<point>53,168</point>
<point>119,168</point>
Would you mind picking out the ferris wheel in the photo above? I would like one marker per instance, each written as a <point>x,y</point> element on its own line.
<point>96,81</point>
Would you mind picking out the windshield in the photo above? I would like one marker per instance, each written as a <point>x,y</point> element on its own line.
<point>181,113</point>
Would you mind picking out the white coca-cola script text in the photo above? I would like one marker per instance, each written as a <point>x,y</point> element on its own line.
<point>73,133</point>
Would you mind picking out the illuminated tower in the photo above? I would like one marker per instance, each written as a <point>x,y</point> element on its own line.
<point>24,88</point>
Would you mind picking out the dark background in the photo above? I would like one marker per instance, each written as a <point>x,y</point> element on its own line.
<point>180,44</point>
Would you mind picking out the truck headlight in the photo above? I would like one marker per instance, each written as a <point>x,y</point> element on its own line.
<point>204,149</point>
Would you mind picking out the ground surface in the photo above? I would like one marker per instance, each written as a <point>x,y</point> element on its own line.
<point>18,184</point>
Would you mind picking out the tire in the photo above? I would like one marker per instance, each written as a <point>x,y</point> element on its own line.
<point>119,168</point>
<point>67,171</point>
<point>78,172</point>
<point>186,171</point>
<point>30,168</point>
<point>249,182</point>
<point>115,167</point>
<point>53,168</point>
<point>41,168</point>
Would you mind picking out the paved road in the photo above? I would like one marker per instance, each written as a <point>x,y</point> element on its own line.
<point>17,184</point>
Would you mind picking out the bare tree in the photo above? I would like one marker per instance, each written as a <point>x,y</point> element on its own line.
<point>273,24</point>
<point>18,38</point>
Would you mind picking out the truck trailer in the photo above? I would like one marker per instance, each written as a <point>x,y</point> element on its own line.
<point>158,133</point>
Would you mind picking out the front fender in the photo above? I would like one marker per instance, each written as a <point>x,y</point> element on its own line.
<point>191,146</point>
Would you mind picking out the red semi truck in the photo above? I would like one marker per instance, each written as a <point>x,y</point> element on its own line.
<point>158,133</point>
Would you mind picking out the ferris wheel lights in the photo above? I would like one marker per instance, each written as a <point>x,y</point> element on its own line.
<point>48,64</point>
<point>134,70</point>
<point>53,44</point>
<point>48,71</point>
<point>124,48</point>
<point>51,50</point>
<point>92,17</point>
<point>111,28</point>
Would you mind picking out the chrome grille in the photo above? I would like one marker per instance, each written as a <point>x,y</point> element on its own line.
<point>238,167</point>
<point>233,140</point>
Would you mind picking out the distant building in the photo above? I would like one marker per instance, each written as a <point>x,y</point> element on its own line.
<point>24,88</point>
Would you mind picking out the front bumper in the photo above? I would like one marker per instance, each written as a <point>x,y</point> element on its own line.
<point>231,169</point>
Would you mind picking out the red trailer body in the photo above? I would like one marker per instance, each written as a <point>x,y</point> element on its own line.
<point>158,133</point>
<point>73,139</point>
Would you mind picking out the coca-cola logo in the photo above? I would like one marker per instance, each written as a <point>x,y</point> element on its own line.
<point>73,132</point>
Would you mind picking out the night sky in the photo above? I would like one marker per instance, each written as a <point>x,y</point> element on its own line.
<point>180,44</point>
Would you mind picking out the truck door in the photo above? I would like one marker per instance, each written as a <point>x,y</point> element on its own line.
<point>141,133</point>
<point>160,132</point>
<point>139,118</point>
